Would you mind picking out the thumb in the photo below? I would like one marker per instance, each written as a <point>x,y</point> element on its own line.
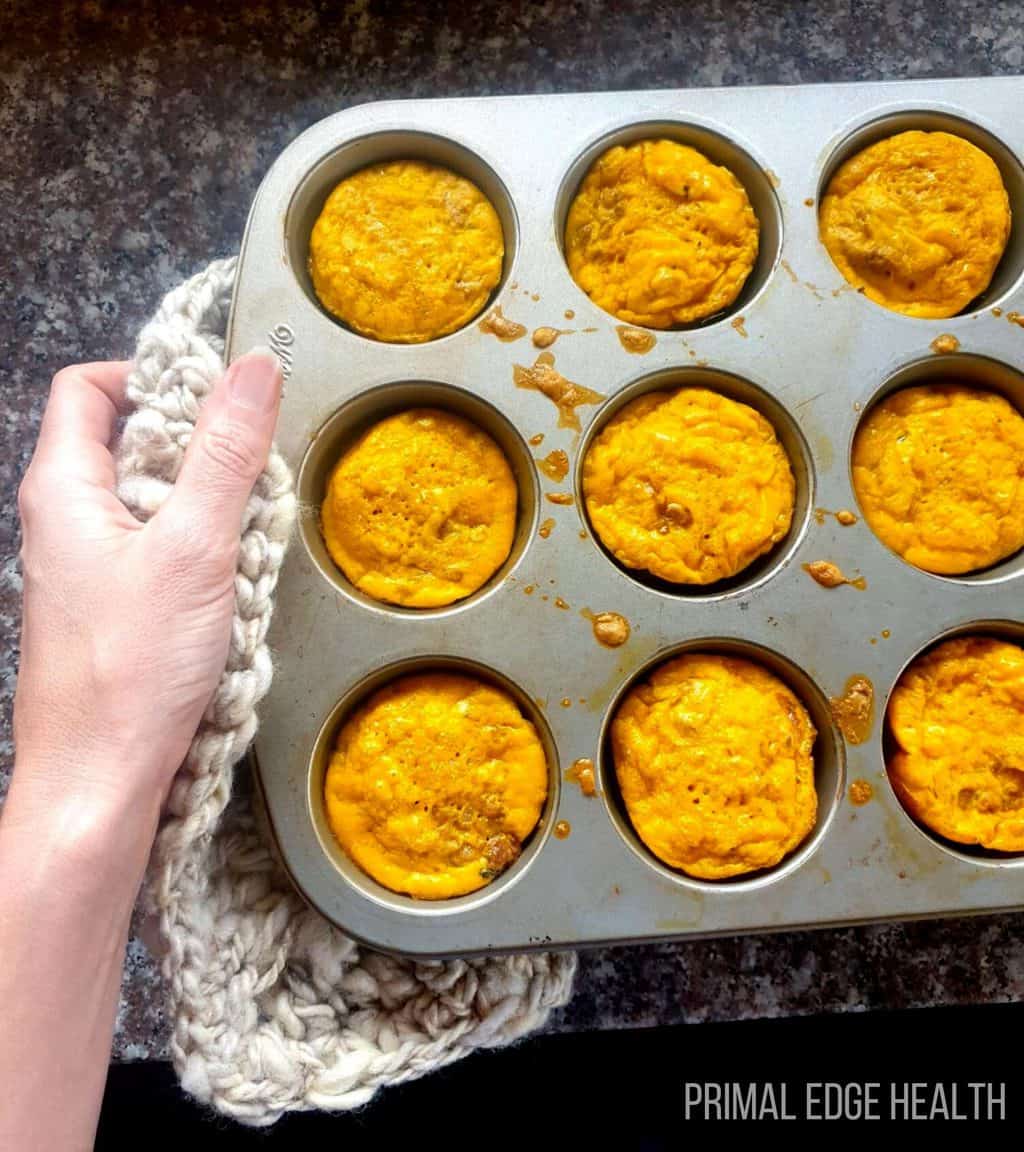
<point>228,450</point>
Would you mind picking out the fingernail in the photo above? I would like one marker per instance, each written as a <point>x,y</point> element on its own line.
<point>255,379</point>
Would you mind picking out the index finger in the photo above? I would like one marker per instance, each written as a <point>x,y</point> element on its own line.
<point>80,417</point>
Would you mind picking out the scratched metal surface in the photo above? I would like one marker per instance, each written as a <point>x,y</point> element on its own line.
<point>808,351</point>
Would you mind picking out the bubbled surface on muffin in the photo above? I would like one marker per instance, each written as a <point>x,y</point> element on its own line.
<point>435,783</point>
<point>421,510</point>
<point>406,252</point>
<point>689,485</point>
<point>957,718</point>
<point>714,759</point>
<point>939,473</point>
<point>918,222</point>
<point>660,236</point>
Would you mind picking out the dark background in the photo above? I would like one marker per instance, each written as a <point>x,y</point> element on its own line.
<point>615,1090</point>
<point>132,139</point>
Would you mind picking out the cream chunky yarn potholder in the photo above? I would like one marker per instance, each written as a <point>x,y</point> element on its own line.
<point>273,1009</point>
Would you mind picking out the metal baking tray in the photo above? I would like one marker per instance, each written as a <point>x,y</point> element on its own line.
<point>800,345</point>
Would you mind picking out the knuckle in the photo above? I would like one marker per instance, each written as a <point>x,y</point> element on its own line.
<point>65,379</point>
<point>30,497</point>
<point>26,498</point>
<point>35,513</point>
<point>230,448</point>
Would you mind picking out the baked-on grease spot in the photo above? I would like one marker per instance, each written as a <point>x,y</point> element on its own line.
<point>498,325</point>
<point>635,340</point>
<point>555,465</point>
<point>1015,318</point>
<point>809,202</point>
<point>788,269</point>
<point>529,589</point>
<point>583,533</point>
<point>997,312</point>
<point>562,830</point>
<point>570,314</point>
<point>565,702</point>
<point>537,439</point>
<point>581,772</point>
<point>611,630</point>
<point>844,516</point>
<point>560,603</point>
<point>886,633</point>
<point>854,711</point>
<point>564,394</point>
<point>828,575</point>
<point>738,325</point>
<point>544,337</point>
<point>564,498</point>
<point>945,344</point>
<point>826,453</point>
<point>546,528</point>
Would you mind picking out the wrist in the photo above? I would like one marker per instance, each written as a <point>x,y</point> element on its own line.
<point>78,826</point>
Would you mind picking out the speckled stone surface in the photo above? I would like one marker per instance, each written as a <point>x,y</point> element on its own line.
<point>132,139</point>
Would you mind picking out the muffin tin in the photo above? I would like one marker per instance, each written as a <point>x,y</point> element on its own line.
<point>799,344</point>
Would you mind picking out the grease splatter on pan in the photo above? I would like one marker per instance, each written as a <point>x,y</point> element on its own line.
<point>566,395</point>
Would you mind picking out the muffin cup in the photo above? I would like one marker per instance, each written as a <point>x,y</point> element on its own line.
<point>1010,269</point>
<point>787,430</point>
<point>975,371</point>
<point>973,854</point>
<point>829,764</point>
<point>348,871</point>
<point>378,148</point>
<point>349,422</point>
<point>720,149</point>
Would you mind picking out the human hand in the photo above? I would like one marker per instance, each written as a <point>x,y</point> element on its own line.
<point>126,625</point>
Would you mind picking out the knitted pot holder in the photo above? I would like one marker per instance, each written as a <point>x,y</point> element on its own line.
<point>273,1009</point>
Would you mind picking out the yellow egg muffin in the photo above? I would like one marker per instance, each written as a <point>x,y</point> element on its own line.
<point>918,222</point>
<point>435,784</point>
<point>689,485</point>
<point>659,236</point>
<point>939,472</point>
<point>713,756</point>
<point>421,510</point>
<point>406,251</point>
<point>957,719</point>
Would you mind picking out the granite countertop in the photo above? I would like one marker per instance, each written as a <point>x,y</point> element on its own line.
<point>133,137</point>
